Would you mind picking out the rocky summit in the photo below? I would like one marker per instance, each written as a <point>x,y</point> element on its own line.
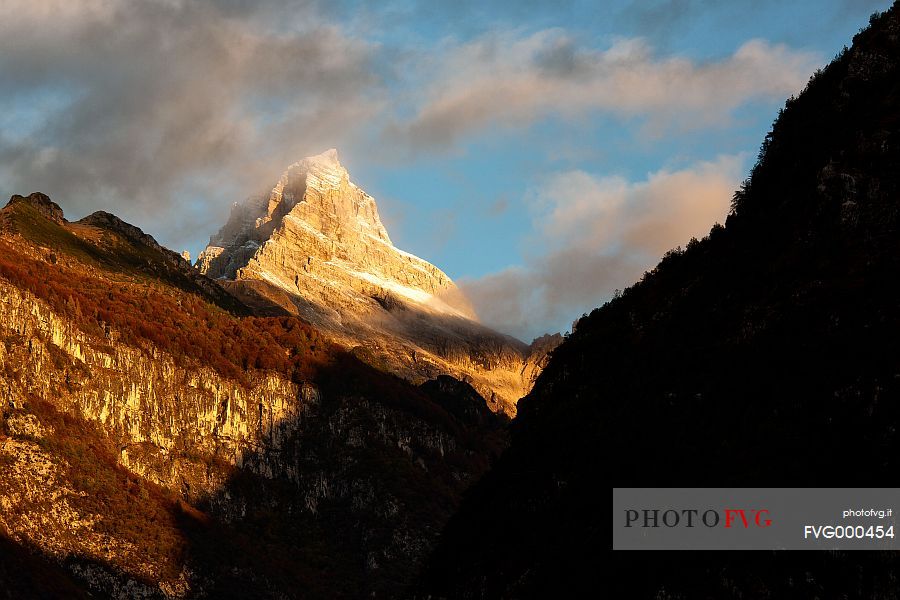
<point>318,235</point>
<point>315,246</point>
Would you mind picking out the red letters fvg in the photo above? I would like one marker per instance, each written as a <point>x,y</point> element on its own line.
<point>758,517</point>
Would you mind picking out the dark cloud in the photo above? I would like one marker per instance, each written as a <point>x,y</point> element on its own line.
<point>152,101</point>
<point>561,57</point>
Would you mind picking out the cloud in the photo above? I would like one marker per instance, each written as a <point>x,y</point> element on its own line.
<point>166,111</point>
<point>145,105</point>
<point>514,80</point>
<point>594,235</point>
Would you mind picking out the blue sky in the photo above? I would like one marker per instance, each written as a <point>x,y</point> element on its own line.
<point>542,153</point>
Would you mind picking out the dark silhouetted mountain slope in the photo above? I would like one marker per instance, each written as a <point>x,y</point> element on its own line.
<point>766,354</point>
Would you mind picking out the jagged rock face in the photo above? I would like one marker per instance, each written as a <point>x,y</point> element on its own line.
<point>42,202</point>
<point>136,397</point>
<point>319,236</point>
<point>315,246</point>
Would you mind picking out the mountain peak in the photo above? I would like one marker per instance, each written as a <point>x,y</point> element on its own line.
<point>43,203</point>
<point>329,158</point>
<point>325,168</point>
<point>111,222</point>
<point>316,232</point>
<point>319,172</point>
<point>315,246</point>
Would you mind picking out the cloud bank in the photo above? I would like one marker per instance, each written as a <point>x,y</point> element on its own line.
<point>597,234</point>
<point>163,108</point>
<point>144,106</point>
<point>514,80</point>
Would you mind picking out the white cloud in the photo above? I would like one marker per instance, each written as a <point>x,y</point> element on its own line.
<point>513,80</point>
<point>594,235</point>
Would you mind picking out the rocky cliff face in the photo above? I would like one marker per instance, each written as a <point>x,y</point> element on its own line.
<point>764,355</point>
<point>41,203</point>
<point>315,246</point>
<point>319,236</point>
<point>140,395</point>
<point>155,444</point>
